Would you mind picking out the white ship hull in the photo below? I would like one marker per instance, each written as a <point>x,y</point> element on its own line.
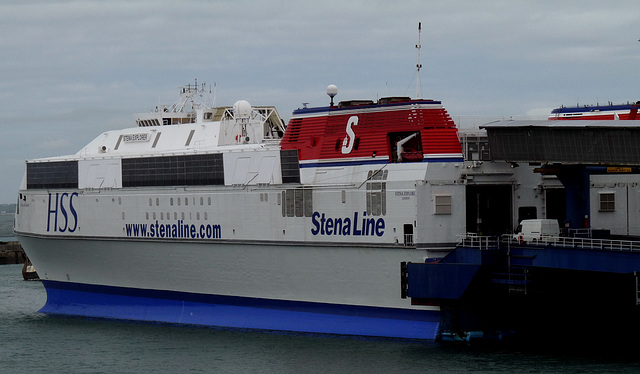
<point>308,288</point>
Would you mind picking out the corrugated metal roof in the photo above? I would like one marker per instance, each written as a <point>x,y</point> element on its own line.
<point>612,142</point>
<point>563,124</point>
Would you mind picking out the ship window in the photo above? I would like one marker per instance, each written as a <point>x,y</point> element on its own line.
<point>299,207</point>
<point>190,170</point>
<point>282,198</point>
<point>376,193</point>
<point>607,201</point>
<point>298,202</point>
<point>288,207</point>
<point>443,204</point>
<point>209,200</point>
<point>58,174</point>
<point>171,201</point>
<point>290,166</point>
<point>308,202</point>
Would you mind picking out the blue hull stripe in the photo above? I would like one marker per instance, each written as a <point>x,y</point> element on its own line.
<point>372,162</point>
<point>75,299</point>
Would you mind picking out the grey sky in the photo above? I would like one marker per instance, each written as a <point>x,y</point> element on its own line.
<point>71,70</point>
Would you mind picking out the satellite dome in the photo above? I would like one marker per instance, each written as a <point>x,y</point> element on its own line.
<point>242,109</point>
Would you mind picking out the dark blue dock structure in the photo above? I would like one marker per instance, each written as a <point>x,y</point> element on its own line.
<point>580,286</point>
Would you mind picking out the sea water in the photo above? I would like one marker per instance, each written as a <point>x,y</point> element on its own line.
<point>31,342</point>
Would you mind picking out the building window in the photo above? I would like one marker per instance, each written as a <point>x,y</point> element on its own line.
<point>607,201</point>
<point>443,204</point>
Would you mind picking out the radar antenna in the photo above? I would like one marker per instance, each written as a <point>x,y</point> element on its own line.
<point>419,65</point>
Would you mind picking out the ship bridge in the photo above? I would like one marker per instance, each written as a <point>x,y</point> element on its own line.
<point>572,150</point>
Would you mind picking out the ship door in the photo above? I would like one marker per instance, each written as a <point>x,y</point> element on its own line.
<point>556,203</point>
<point>489,209</point>
<point>408,234</point>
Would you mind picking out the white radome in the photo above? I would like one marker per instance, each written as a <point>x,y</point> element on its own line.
<point>242,109</point>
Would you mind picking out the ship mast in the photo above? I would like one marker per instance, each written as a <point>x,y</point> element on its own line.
<point>418,46</point>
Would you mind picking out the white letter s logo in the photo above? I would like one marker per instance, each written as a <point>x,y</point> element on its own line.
<point>351,136</point>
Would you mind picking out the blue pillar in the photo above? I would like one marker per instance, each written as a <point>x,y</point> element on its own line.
<point>576,184</point>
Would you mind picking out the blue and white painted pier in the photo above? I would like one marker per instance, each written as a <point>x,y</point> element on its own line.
<point>583,287</point>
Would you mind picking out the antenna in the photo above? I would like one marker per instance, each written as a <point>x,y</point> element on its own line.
<point>418,46</point>
<point>215,93</point>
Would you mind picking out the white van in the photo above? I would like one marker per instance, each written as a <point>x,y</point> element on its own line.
<point>536,229</point>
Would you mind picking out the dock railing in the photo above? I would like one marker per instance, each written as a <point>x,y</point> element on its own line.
<point>474,240</point>
<point>579,243</point>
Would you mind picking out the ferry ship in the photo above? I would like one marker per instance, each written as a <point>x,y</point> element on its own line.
<point>221,216</point>
<point>224,216</point>
<point>611,111</point>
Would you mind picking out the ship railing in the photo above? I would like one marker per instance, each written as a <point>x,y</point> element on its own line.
<point>270,141</point>
<point>579,233</point>
<point>408,240</point>
<point>579,243</point>
<point>473,240</point>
